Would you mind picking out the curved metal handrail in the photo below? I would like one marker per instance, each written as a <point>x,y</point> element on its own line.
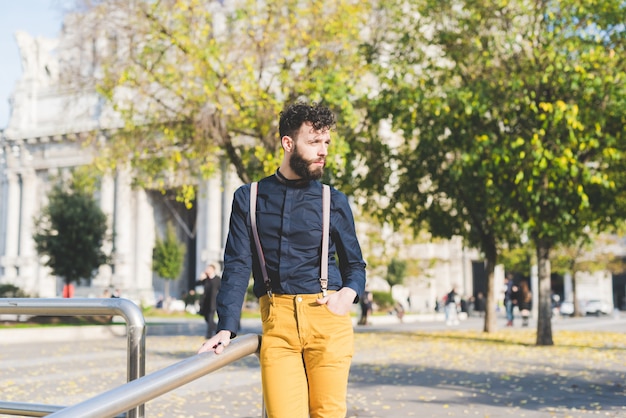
<point>24,409</point>
<point>139,391</point>
<point>135,324</point>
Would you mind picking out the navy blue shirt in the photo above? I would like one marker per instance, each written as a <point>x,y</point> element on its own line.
<point>289,222</point>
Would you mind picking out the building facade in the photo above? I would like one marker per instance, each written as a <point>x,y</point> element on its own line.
<point>43,140</point>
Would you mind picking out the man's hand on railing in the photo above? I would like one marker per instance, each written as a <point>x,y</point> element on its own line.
<point>217,343</point>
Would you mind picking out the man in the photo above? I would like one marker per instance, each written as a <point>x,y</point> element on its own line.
<point>452,313</point>
<point>367,302</point>
<point>208,306</point>
<point>308,336</point>
<point>510,300</point>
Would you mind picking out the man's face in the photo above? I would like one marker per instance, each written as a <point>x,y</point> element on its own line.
<point>310,149</point>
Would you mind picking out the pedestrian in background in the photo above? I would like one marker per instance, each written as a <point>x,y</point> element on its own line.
<point>366,303</point>
<point>452,308</point>
<point>480,304</point>
<point>211,283</point>
<point>524,302</point>
<point>510,291</point>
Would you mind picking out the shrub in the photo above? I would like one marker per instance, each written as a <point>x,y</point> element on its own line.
<point>383,300</point>
<point>11,291</point>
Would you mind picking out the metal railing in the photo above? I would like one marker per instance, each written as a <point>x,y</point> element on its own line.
<point>148,387</point>
<point>25,409</point>
<point>136,336</point>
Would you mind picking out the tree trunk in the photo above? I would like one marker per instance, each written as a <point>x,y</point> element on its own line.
<point>166,298</point>
<point>544,322</point>
<point>577,310</point>
<point>491,256</point>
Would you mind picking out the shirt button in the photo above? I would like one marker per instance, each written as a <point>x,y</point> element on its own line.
<point>299,299</point>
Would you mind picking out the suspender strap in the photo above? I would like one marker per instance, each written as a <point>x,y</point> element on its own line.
<point>325,230</point>
<point>325,234</point>
<point>257,242</point>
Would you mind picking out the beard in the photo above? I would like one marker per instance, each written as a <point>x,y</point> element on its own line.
<point>302,167</point>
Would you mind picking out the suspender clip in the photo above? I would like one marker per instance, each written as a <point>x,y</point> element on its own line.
<point>324,285</point>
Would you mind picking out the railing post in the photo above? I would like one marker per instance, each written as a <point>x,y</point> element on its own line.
<point>135,324</point>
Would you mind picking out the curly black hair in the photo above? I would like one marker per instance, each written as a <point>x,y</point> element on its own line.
<point>294,115</point>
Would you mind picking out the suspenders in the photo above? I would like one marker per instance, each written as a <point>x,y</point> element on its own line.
<point>257,241</point>
<point>325,231</point>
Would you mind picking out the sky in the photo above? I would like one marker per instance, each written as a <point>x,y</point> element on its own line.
<point>39,18</point>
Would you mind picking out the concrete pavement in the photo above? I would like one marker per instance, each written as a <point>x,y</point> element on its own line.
<point>398,371</point>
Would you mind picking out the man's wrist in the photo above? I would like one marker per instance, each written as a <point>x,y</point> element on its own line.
<point>348,293</point>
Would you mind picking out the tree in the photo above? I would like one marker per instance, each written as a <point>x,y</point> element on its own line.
<point>11,291</point>
<point>194,81</point>
<point>434,176</point>
<point>71,230</point>
<point>168,257</point>
<point>519,259</point>
<point>512,123</point>
<point>567,149</point>
<point>396,272</point>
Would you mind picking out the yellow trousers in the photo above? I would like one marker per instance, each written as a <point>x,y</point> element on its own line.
<point>305,357</point>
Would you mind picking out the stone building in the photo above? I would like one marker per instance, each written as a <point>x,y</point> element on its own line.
<point>42,141</point>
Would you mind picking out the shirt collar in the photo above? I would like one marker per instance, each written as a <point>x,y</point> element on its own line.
<point>291,183</point>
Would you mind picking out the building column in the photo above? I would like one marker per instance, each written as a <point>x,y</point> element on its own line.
<point>534,286</point>
<point>231,183</point>
<point>144,237</point>
<point>34,280</point>
<point>498,277</point>
<point>13,204</point>
<point>568,295</point>
<point>202,203</point>
<point>4,192</point>
<point>209,221</point>
<point>107,204</point>
<point>122,227</point>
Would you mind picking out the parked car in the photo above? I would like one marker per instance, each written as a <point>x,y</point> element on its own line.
<point>597,307</point>
<point>566,308</point>
<point>590,307</point>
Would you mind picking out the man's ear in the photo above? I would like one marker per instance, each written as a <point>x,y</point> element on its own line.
<point>287,143</point>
